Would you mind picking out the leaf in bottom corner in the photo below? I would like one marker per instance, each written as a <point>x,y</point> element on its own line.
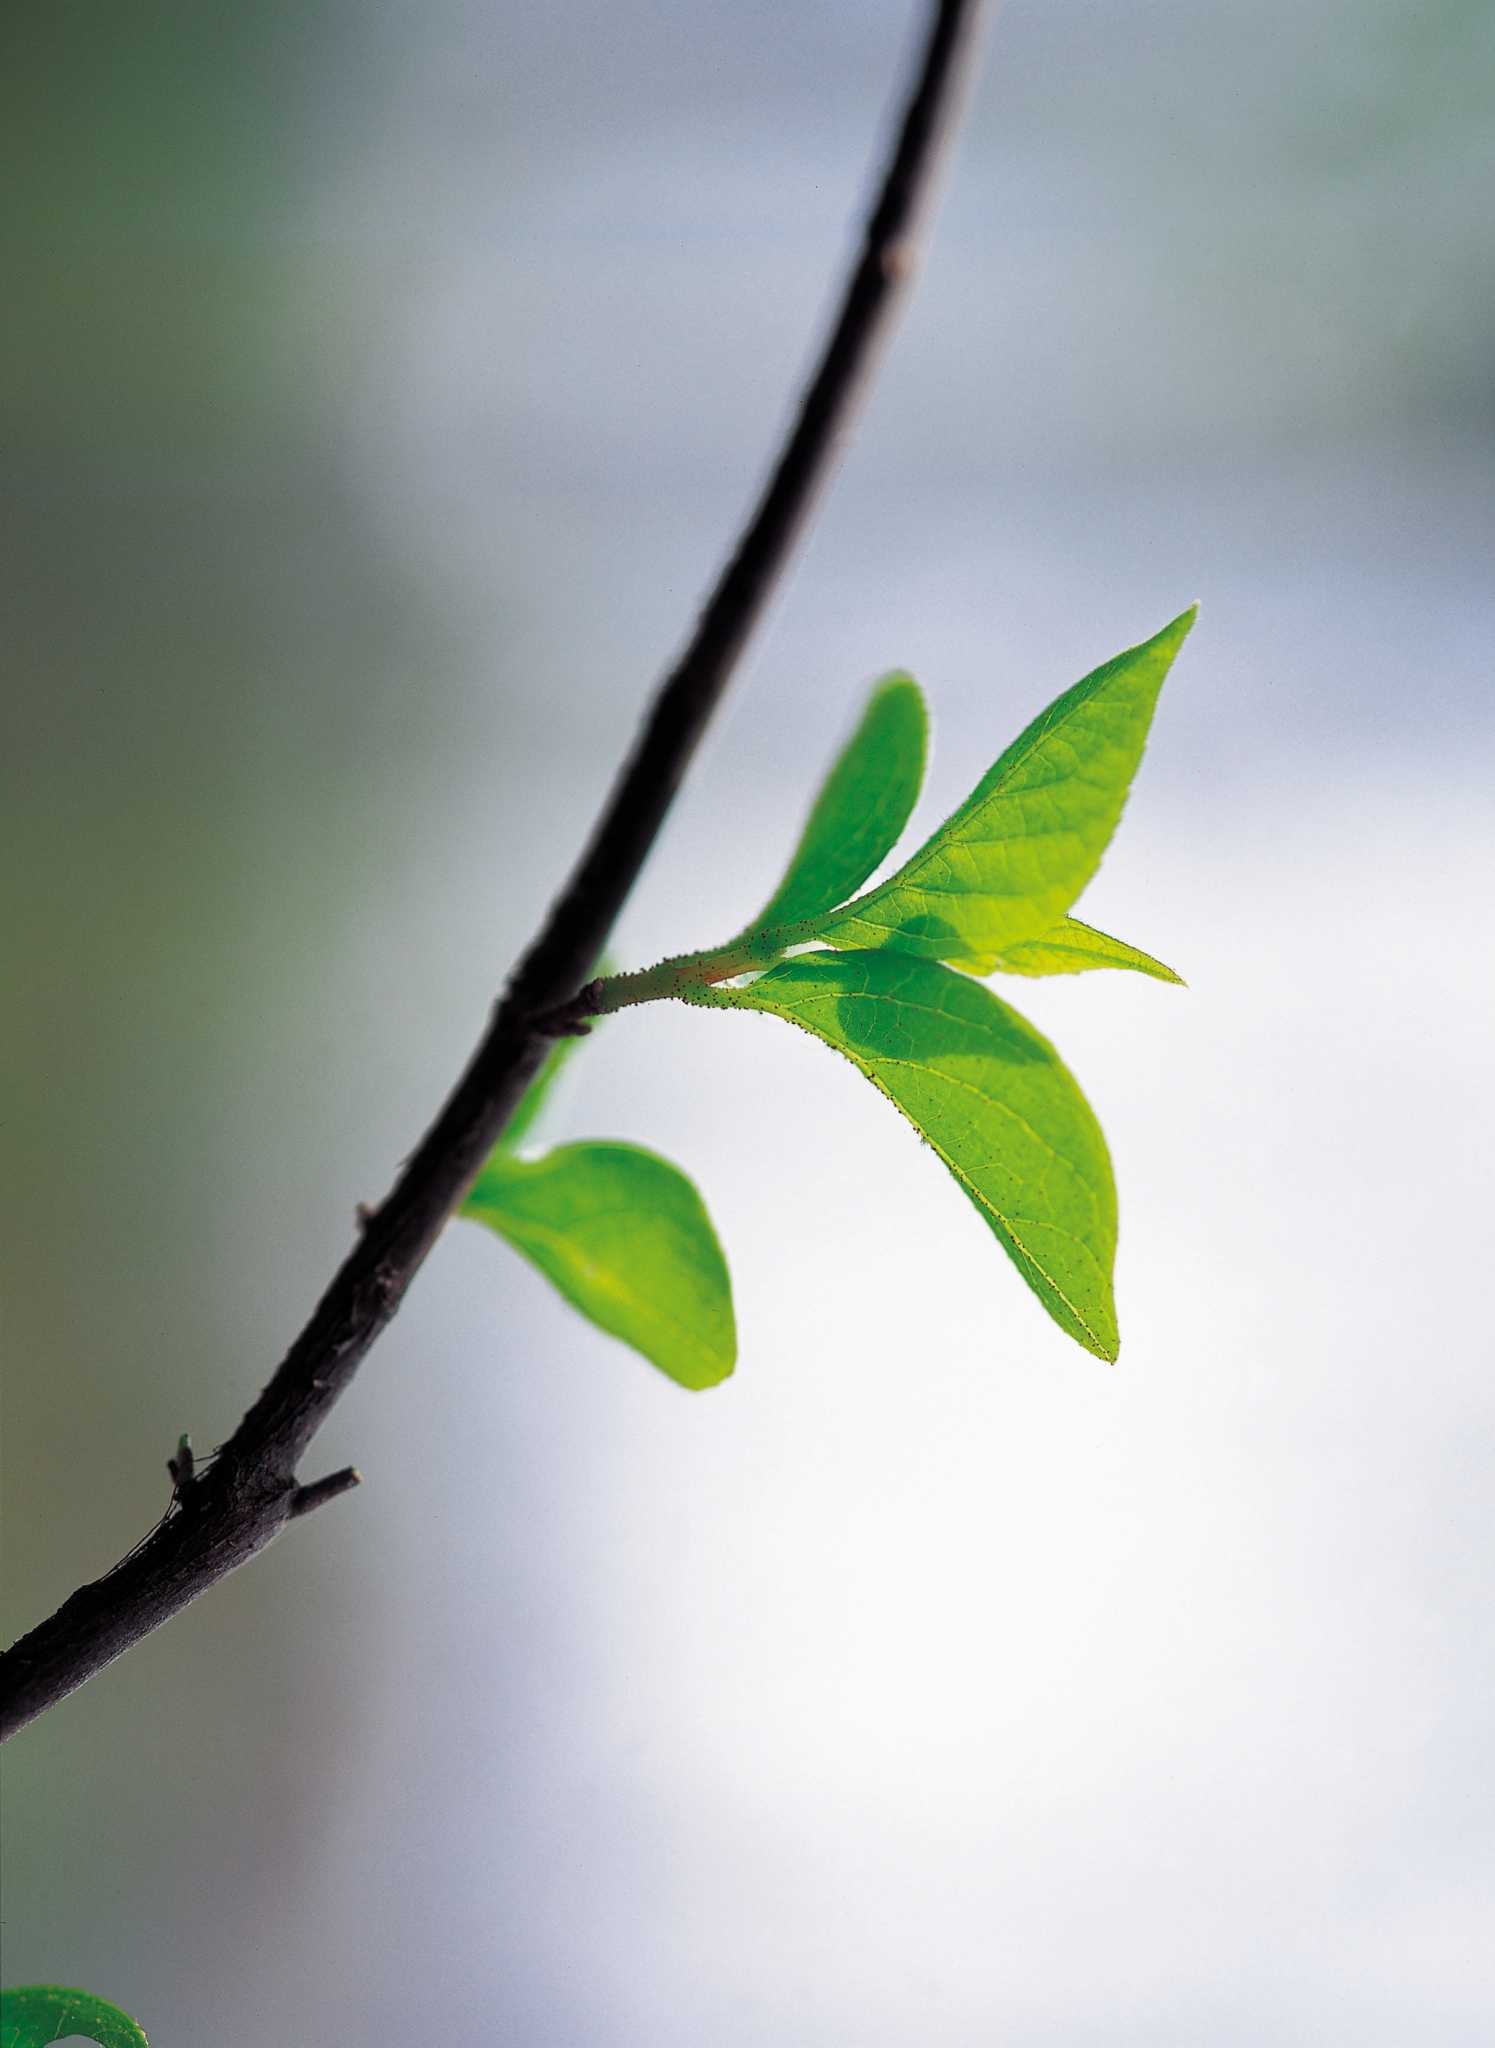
<point>36,2014</point>
<point>626,1238</point>
<point>990,1095</point>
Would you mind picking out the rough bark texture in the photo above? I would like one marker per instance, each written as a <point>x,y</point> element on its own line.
<point>238,1503</point>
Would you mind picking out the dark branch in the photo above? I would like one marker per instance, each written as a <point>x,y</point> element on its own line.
<point>241,1501</point>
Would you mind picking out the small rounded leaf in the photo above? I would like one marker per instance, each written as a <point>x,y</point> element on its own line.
<point>626,1239</point>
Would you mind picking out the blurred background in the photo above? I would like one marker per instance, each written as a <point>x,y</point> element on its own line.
<point>381,386</point>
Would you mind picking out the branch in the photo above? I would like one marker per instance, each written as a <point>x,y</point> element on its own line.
<point>230,1509</point>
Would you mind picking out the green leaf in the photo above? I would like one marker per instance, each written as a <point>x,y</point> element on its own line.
<point>863,806</point>
<point>626,1238</point>
<point>991,1097</point>
<point>1010,862</point>
<point>1074,948</point>
<point>533,1100</point>
<point>37,2014</point>
<point>535,1097</point>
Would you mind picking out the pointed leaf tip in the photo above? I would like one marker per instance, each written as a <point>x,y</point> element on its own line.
<point>1016,854</point>
<point>1177,630</point>
<point>1071,947</point>
<point>988,1093</point>
<point>861,807</point>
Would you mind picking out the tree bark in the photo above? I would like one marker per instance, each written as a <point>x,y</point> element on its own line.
<point>237,1503</point>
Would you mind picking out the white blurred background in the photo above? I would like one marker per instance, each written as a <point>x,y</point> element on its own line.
<point>380,391</point>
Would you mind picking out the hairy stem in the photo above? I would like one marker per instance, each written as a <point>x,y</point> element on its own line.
<point>249,1493</point>
<point>683,971</point>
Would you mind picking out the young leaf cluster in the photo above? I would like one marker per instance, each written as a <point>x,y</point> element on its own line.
<point>892,980</point>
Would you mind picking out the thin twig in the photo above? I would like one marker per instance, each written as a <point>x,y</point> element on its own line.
<point>246,1496</point>
<point>306,1499</point>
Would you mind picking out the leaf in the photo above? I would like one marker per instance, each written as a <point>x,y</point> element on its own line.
<point>988,1093</point>
<point>37,2014</point>
<point>1074,948</point>
<point>533,1100</point>
<point>626,1238</point>
<point>1010,862</point>
<point>863,805</point>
